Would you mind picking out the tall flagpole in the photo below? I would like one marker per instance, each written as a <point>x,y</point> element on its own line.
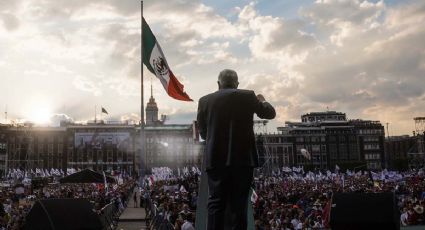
<point>142,161</point>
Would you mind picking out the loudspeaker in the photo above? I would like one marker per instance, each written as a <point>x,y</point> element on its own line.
<point>355,211</point>
<point>64,214</point>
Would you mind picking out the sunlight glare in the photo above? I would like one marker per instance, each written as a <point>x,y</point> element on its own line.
<point>41,115</point>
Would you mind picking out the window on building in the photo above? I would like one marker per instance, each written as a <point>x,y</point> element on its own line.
<point>50,149</point>
<point>279,149</point>
<point>109,155</point>
<point>299,147</point>
<point>332,138</point>
<point>343,154</point>
<point>372,146</point>
<point>333,151</point>
<point>60,148</point>
<point>70,152</point>
<point>371,139</point>
<point>90,155</point>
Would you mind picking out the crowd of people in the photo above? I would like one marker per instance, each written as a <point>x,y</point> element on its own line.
<point>16,202</point>
<point>286,199</point>
<point>294,199</point>
<point>303,202</point>
<point>173,198</point>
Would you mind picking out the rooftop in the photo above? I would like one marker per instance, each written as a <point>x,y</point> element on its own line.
<point>324,113</point>
<point>170,127</point>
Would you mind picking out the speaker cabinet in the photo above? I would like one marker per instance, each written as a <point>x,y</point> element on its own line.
<point>358,211</point>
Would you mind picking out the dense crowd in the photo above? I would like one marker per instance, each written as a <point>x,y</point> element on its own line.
<point>14,206</point>
<point>287,199</point>
<point>294,199</point>
<point>174,199</point>
<point>295,202</point>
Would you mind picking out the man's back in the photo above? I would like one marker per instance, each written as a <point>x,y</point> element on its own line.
<point>226,123</point>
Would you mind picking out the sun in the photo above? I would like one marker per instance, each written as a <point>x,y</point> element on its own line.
<point>41,115</point>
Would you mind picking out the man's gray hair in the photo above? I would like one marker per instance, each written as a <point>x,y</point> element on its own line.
<point>228,78</point>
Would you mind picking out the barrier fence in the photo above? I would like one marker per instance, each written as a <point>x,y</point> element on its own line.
<point>108,216</point>
<point>110,213</point>
<point>156,219</point>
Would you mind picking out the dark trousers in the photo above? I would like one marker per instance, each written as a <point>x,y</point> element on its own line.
<point>228,197</point>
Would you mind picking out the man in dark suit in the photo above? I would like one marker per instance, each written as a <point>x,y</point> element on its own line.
<point>225,121</point>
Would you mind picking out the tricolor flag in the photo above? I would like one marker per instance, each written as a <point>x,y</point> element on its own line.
<point>104,110</point>
<point>155,61</point>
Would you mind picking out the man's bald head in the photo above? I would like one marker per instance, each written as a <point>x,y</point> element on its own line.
<point>228,79</point>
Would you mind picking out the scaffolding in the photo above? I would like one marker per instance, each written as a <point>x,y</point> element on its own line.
<point>419,125</point>
<point>416,153</point>
<point>260,128</point>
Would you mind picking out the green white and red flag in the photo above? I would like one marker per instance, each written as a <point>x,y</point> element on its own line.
<point>155,61</point>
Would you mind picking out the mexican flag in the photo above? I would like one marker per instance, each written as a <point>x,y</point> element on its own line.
<point>155,61</point>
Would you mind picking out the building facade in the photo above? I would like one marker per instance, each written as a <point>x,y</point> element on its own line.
<point>94,146</point>
<point>397,149</point>
<point>323,140</point>
<point>275,150</point>
<point>99,146</point>
<point>3,149</point>
<point>171,146</point>
<point>416,155</point>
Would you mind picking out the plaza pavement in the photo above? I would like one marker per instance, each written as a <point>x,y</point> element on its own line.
<point>132,218</point>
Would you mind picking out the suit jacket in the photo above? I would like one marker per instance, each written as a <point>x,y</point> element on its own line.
<point>225,121</point>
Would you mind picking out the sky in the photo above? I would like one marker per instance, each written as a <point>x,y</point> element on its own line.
<point>60,59</point>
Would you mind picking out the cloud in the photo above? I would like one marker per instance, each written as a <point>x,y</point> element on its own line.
<point>84,84</point>
<point>56,119</point>
<point>273,37</point>
<point>339,19</point>
<point>354,11</point>
<point>131,118</point>
<point>364,58</point>
<point>377,69</point>
<point>181,117</point>
<point>125,48</point>
<point>10,22</point>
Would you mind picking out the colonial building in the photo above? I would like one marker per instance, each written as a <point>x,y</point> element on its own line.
<point>152,112</point>
<point>3,149</point>
<point>397,149</point>
<point>325,139</point>
<point>95,146</point>
<point>100,146</point>
<point>171,146</point>
<point>275,150</point>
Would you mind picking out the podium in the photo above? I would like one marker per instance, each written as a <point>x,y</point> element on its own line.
<point>201,206</point>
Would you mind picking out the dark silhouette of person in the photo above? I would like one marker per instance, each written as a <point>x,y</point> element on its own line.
<point>225,122</point>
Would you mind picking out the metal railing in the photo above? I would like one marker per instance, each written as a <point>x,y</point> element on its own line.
<point>110,213</point>
<point>155,218</point>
